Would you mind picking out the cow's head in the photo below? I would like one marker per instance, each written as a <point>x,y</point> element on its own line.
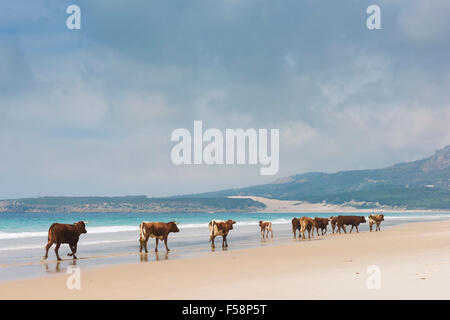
<point>81,227</point>
<point>173,227</point>
<point>260,223</point>
<point>381,217</point>
<point>230,223</point>
<point>363,219</point>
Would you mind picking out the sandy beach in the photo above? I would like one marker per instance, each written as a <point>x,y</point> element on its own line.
<point>413,259</point>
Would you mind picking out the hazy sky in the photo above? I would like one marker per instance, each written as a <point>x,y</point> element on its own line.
<point>91,111</point>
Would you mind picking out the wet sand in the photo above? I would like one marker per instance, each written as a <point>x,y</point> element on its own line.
<point>413,259</point>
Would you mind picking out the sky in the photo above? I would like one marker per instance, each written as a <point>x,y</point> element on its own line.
<point>90,112</point>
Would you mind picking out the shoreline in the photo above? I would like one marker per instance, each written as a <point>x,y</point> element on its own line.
<point>414,260</point>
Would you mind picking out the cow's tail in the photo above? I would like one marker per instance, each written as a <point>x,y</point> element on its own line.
<point>211,230</point>
<point>141,231</point>
<point>51,232</point>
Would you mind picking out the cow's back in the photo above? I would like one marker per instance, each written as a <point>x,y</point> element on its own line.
<point>62,233</point>
<point>156,229</point>
<point>214,228</point>
<point>349,220</point>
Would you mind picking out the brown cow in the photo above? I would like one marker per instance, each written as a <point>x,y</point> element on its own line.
<point>307,223</point>
<point>354,221</point>
<point>158,230</point>
<point>321,223</point>
<point>333,221</point>
<point>220,228</point>
<point>295,227</point>
<point>65,233</point>
<point>266,226</point>
<point>375,219</point>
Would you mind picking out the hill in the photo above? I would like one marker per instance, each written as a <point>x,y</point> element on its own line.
<point>128,204</point>
<point>421,184</point>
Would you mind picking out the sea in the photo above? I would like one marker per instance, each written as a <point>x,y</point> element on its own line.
<point>113,238</point>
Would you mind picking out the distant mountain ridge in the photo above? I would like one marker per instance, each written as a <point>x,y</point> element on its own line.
<point>421,184</point>
<point>127,204</point>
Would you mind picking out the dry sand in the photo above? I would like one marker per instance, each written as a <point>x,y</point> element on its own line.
<point>414,260</point>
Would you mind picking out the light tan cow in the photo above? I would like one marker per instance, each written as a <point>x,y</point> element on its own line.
<point>266,226</point>
<point>375,219</point>
<point>220,228</point>
<point>306,224</point>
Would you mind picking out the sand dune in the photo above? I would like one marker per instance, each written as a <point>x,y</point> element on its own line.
<point>288,206</point>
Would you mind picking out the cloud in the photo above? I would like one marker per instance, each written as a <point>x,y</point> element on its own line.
<point>91,111</point>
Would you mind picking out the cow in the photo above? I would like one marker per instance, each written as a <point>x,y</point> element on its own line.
<point>59,233</point>
<point>354,221</point>
<point>295,227</point>
<point>266,226</point>
<point>307,224</point>
<point>220,228</point>
<point>333,221</point>
<point>157,230</point>
<point>321,223</point>
<point>375,219</point>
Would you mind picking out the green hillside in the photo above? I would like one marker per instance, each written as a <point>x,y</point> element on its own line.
<point>422,184</point>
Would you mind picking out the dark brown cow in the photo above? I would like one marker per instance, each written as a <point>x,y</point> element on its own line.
<point>157,230</point>
<point>266,227</point>
<point>354,221</point>
<point>375,219</point>
<point>307,224</point>
<point>220,228</point>
<point>64,233</point>
<point>333,221</point>
<point>295,227</point>
<point>321,223</point>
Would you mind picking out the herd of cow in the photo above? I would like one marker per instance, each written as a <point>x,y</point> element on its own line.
<point>70,233</point>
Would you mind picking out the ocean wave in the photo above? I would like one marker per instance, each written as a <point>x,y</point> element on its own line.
<point>128,228</point>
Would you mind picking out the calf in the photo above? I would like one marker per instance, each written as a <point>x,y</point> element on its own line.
<point>157,230</point>
<point>307,224</point>
<point>375,219</point>
<point>220,228</point>
<point>354,221</point>
<point>321,223</point>
<point>295,227</point>
<point>65,233</point>
<point>266,226</point>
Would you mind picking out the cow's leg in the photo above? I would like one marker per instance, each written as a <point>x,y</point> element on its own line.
<point>145,242</point>
<point>352,228</point>
<point>295,233</point>
<point>212,242</point>
<point>73,247</point>
<point>165,243</point>
<point>271,233</point>
<point>344,227</point>
<point>56,251</point>
<point>370,227</point>
<point>156,247</point>
<point>224,242</point>
<point>47,247</point>
<point>379,227</point>
<point>356,226</point>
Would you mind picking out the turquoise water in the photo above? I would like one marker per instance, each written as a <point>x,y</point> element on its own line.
<point>112,238</point>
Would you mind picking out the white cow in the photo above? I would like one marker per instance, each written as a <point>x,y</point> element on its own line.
<point>220,228</point>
